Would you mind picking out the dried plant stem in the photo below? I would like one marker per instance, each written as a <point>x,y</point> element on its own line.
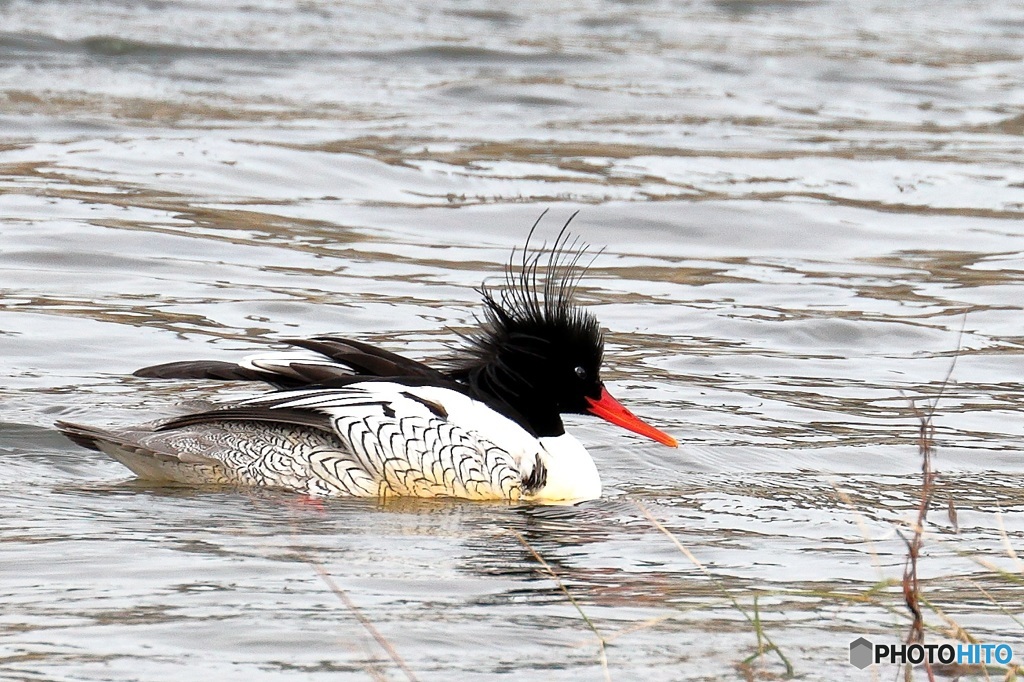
<point>603,655</point>
<point>363,620</point>
<point>637,627</point>
<point>862,525</point>
<point>992,599</point>
<point>926,447</point>
<point>754,621</point>
<point>316,504</point>
<point>911,582</point>
<point>1006,543</point>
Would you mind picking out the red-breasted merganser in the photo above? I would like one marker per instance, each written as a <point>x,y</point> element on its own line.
<point>355,420</point>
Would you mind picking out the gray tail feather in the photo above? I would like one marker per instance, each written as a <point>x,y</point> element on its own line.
<point>145,460</point>
<point>104,440</point>
<point>86,436</point>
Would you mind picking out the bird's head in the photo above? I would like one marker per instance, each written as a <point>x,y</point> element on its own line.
<point>538,350</point>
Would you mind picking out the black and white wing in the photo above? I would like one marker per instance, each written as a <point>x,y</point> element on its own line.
<point>372,439</point>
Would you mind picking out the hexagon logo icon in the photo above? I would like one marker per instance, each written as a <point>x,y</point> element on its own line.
<point>861,652</point>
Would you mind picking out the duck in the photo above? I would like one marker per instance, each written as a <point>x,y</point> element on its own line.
<point>351,419</point>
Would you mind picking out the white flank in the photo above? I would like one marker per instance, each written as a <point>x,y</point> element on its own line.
<point>571,472</point>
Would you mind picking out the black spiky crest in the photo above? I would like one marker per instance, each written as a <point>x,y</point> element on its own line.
<point>538,351</point>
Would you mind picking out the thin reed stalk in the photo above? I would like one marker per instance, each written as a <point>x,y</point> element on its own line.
<point>911,581</point>
<point>926,448</point>
<point>363,620</point>
<point>343,597</point>
<point>755,621</point>
<point>602,643</point>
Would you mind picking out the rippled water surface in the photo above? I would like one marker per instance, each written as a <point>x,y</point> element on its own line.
<point>808,211</point>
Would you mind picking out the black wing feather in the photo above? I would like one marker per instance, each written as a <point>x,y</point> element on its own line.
<point>296,417</point>
<point>200,369</point>
<point>356,357</point>
<point>365,358</point>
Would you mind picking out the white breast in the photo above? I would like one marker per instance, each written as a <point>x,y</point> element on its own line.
<point>572,474</point>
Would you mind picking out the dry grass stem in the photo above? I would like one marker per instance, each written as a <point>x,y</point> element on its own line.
<point>328,580</point>
<point>755,621</point>
<point>999,606</point>
<point>363,620</point>
<point>603,654</point>
<point>1006,542</point>
<point>926,448</point>
<point>863,526</point>
<point>637,627</point>
<point>911,582</point>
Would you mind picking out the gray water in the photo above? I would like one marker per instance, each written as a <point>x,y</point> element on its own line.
<point>808,210</point>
